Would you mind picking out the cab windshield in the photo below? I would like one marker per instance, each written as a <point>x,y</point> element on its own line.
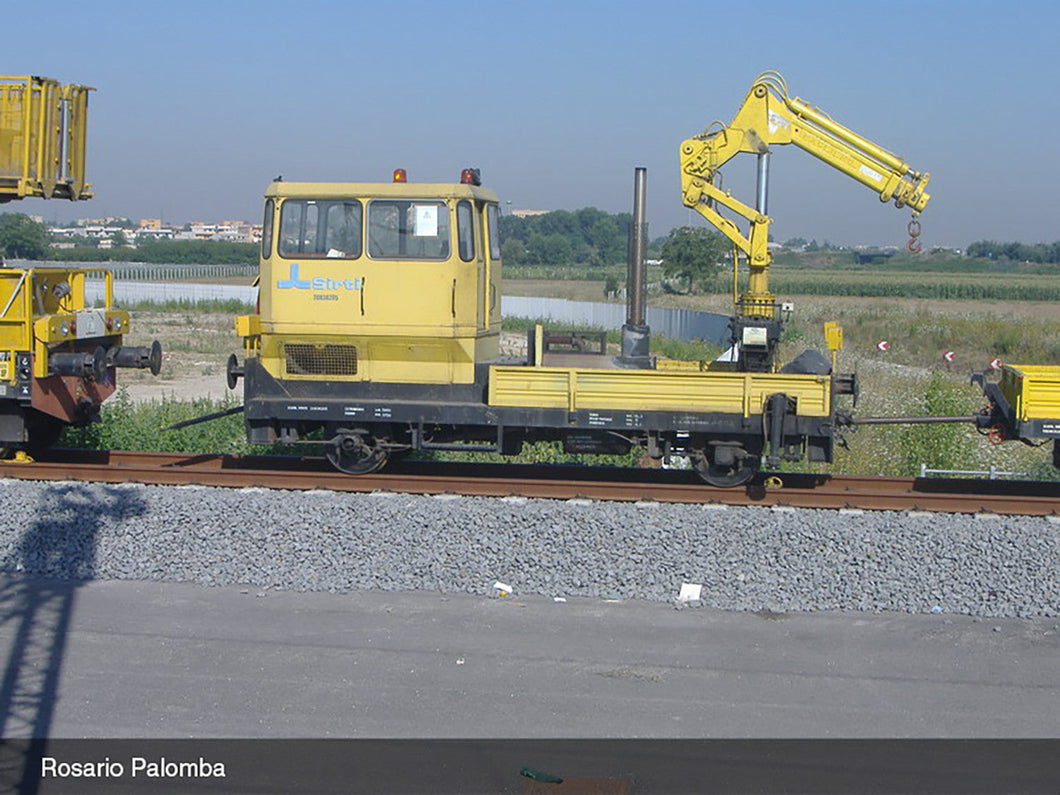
<point>323,228</point>
<point>408,229</point>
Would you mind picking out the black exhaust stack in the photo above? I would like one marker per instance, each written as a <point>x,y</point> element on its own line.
<point>635,333</point>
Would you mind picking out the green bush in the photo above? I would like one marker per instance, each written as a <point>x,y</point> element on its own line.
<point>126,425</point>
<point>939,446</point>
<point>199,252</point>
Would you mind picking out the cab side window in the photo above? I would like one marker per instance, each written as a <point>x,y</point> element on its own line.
<point>408,229</point>
<point>465,231</point>
<point>298,227</point>
<point>342,232</point>
<point>266,230</point>
<point>494,224</point>
<point>321,228</point>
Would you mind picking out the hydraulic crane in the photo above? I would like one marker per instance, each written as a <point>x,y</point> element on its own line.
<point>768,116</point>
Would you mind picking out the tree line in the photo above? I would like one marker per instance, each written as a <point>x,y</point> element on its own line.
<point>1017,252</point>
<point>593,238</point>
<point>179,252</point>
<point>23,238</point>
<point>588,236</point>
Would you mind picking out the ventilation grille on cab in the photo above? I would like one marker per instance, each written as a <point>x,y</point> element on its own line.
<point>320,359</point>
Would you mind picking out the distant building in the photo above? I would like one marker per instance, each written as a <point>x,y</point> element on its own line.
<point>110,220</point>
<point>231,231</point>
<point>65,231</point>
<point>528,213</point>
<point>149,233</point>
<point>100,232</point>
<point>153,229</point>
<point>872,257</point>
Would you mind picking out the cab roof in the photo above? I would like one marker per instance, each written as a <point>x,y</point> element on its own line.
<point>371,190</point>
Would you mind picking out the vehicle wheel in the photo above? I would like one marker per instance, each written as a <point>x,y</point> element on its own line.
<point>43,431</point>
<point>735,472</point>
<point>355,454</point>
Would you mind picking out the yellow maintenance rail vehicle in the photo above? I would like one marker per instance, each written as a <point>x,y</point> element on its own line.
<point>58,350</point>
<point>1023,404</point>
<point>378,333</point>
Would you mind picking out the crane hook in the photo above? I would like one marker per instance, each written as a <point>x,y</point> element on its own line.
<point>914,244</point>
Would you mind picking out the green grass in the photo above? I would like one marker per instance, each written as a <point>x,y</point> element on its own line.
<point>917,284</point>
<point>126,425</point>
<point>533,453</point>
<point>918,335</point>
<point>899,450</point>
<point>226,306</point>
<point>937,262</point>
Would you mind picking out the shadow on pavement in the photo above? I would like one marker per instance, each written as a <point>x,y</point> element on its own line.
<point>39,577</point>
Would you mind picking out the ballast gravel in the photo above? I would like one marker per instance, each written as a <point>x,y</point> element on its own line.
<point>751,558</point>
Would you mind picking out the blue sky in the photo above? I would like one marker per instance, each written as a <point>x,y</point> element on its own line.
<point>199,105</point>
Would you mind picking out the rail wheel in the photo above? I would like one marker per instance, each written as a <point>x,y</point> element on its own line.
<point>43,431</point>
<point>355,453</point>
<point>726,466</point>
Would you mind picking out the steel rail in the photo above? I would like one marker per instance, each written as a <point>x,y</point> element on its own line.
<point>552,482</point>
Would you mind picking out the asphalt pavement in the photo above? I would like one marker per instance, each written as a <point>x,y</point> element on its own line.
<point>107,659</point>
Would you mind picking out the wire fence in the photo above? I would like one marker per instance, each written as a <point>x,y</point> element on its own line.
<point>685,324</point>
<point>151,272</point>
<point>129,292</point>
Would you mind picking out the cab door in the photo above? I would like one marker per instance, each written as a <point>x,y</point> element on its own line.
<point>491,255</point>
<point>470,248</point>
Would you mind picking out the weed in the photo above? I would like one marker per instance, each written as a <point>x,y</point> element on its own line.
<point>125,425</point>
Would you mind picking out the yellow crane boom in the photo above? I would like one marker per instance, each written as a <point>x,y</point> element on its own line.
<point>770,115</point>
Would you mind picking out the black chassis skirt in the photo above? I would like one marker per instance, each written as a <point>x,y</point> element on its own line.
<point>271,404</point>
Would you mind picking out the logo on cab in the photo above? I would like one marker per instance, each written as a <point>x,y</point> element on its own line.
<point>316,283</point>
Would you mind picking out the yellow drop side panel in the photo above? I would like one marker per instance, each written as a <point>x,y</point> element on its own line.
<point>653,390</point>
<point>42,139</point>
<point>1032,390</point>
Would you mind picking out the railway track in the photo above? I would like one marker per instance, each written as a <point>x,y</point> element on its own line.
<point>552,482</point>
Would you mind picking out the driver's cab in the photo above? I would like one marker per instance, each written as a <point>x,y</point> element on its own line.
<point>404,277</point>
